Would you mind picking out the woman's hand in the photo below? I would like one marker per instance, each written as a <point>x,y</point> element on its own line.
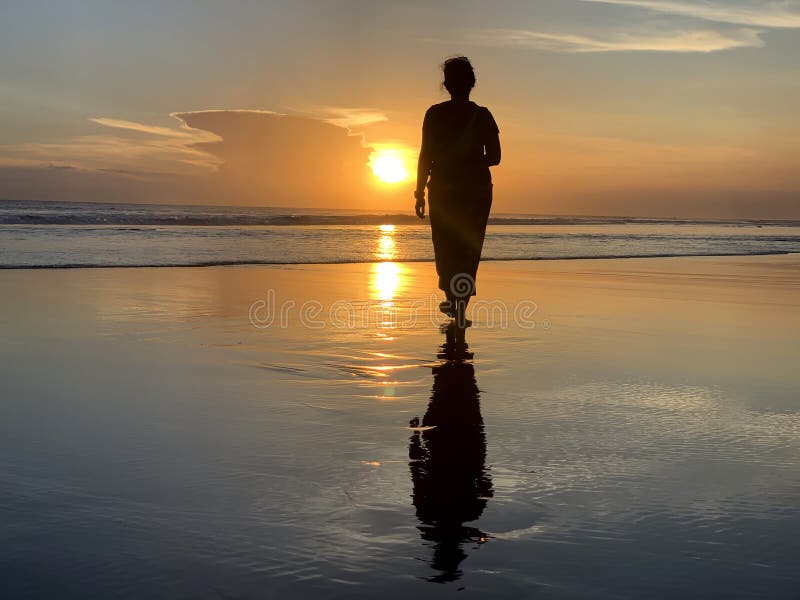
<point>419,208</point>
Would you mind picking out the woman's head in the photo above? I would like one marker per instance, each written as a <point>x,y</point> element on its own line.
<point>459,76</point>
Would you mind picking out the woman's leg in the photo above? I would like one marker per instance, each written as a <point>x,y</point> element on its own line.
<point>480,206</point>
<point>446,239</point>
<point>458,228</point>
<point>472,227</point>
<point>439,233</point>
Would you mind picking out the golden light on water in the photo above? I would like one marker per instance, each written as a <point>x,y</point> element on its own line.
<point>385,281</point>
<point>387,247</point>
<point>386,275</point>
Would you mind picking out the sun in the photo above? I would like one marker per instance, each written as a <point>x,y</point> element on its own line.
<point>388,166</point>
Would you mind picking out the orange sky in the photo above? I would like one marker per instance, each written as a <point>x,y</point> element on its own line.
<point>606,107</point>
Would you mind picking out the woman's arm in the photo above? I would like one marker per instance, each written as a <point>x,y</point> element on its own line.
<point>493,150</point>
<point>423,169</point>
<point>424,163</point>
<point>492,144</point>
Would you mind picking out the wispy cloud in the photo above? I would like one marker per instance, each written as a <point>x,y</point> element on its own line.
<point>354,117</point>
<point>335,115</point>
<point>138,146</point>
<point>347,117</point>
<point>255,111</point>
<point>637,41</point>
<point>97,152</point>
<point>784,13</point>
<point>141,127</point>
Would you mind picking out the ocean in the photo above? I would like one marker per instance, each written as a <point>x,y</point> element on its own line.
<point>67,234</point>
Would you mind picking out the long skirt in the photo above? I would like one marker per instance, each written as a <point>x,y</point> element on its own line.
<point>459,214</point>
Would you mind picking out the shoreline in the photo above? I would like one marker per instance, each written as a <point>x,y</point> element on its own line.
<point>250,263</point>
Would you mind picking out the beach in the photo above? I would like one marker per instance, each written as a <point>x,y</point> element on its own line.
<point>623,428</point>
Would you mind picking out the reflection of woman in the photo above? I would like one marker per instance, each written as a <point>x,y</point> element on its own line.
<point>447,460</point>
<point>460,142</point>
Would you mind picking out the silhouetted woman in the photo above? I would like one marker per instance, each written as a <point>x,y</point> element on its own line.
<point>460,141</point>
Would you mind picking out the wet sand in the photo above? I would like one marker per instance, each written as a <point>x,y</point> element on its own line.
<point>625,428</point>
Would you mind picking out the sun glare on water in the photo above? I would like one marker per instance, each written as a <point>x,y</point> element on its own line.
<point>388,166</point>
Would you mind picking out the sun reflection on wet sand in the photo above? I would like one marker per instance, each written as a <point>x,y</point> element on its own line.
<point>385,281</point>
<point>386,277</point>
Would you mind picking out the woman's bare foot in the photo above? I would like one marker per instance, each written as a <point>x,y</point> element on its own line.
<point>460,313</point>
<point>446,306</point>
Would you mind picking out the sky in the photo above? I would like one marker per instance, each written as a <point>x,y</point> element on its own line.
<point>663,108</point>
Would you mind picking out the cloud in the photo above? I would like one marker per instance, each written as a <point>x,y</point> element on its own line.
<point>748,15</point>
<point>652,41</point>
<point>778,14</point>
<point>347,117</point>
<point>236,156</point>
<point>138,147</point>
<point>352,117</point>
<point>271,158</point>
<point>108,152</point>
<point>141,127</point>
